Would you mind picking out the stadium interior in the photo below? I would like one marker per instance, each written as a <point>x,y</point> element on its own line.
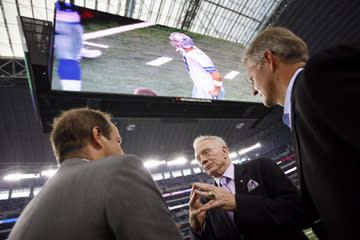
<point>163,142</point>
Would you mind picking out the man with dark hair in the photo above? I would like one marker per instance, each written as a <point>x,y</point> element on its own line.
<point>97,192</point>
<point>251,201</point>
<point>319,101</point>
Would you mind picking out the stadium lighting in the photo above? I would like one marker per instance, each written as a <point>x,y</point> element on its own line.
<point>177,161</point>
<point>194,162</point>
<point>48,173</point>
<point>4,194</point>
<point>19,176</point>
<point>290,170</point>
<point>153,163</point>
<point>20,192</point>
<point>233,155</point>
<point>178,206</point>
<point>246,150</point>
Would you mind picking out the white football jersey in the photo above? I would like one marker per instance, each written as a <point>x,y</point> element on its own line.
<point>199,66</point>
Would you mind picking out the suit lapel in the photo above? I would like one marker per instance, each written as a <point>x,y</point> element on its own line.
<point>240,173</point>
<point>294,133</point>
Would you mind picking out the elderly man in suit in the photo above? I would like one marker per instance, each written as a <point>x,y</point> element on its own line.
<point>319,101</point>
<point>97,192</point>
<point>251,201</point>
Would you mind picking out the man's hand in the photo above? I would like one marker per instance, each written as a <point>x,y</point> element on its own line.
<point>196,217</point>
<point>214,92</point>
<point>217,78</point>
<point>222,198</point>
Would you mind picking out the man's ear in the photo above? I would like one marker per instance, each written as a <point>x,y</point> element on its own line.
<point>225,150</point>
<point>96,136</point>
<point>269,60</point>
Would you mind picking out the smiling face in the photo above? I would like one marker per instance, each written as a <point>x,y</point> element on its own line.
<point>213,157</point>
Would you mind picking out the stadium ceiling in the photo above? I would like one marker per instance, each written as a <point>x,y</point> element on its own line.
<point>233,20</point>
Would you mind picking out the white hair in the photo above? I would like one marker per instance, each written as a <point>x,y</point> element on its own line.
<point>216,139</point>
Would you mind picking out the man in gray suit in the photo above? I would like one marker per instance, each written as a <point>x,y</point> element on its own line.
<point>97,192</point>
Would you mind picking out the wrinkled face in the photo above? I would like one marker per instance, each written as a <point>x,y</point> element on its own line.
<point>112,146</point>
<point>261,80</point>
<point>212,157</point>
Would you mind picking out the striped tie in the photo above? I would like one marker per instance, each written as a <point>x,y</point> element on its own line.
<point>224,184</point>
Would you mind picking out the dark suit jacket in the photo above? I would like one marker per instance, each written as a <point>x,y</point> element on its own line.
<point>326,131</point>
<point>110,198</point>
<point>273,210</point>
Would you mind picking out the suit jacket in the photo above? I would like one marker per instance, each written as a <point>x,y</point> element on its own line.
<point>273,210</point>
<point>110,198</point>
<point>326,134</point>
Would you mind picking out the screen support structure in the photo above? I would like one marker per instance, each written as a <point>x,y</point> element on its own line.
<point>36,40</point>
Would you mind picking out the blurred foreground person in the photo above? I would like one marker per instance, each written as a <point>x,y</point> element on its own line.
<point>251,201</point>
<point>320,97</point>
<point>97,192</point>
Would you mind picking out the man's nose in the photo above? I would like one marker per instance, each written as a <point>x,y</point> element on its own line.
<point>254,91</point>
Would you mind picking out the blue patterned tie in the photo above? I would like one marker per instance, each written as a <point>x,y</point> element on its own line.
<point>224,184</point>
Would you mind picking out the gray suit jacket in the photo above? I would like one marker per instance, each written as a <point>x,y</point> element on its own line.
<point>111,198</point>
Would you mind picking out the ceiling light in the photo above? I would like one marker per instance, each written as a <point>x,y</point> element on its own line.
<point>19,176</point>
<point>245,150</point>
<point>194,162</point>
<point>153,163</point>
<point>48,173</point>
<point>290,170</point>
<point>233,155</point>
<point>177,161</point>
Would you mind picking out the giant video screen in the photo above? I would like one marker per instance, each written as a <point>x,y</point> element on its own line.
<point>98,52</point>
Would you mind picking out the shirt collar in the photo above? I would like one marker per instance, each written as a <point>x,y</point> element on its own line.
<point>287,104</point>
<point>72,161</point>
<point>229,172</point>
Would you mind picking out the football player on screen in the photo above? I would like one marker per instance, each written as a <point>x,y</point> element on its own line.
<point>69,46</point>
<point>207,80</point>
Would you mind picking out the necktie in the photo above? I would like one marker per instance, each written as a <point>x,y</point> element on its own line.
<point>224,184</point>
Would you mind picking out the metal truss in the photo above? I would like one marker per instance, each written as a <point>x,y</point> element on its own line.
<point>12,68</point>
<point>190,14</point>
<point>276,14</point>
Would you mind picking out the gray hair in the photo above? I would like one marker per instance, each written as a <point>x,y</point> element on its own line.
<point>281,42</point>
<point>216,139</point>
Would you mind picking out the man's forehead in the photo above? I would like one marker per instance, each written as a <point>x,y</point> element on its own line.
<point>114,128</point>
